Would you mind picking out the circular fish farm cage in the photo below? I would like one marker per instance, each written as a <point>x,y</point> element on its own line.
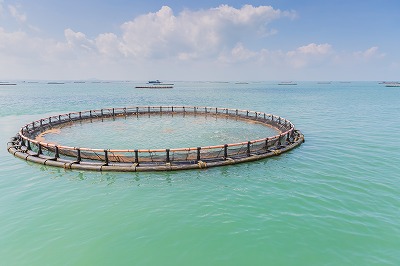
<point>28,146</point>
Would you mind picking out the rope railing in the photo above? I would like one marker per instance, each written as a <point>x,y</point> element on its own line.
<point>25,144</point>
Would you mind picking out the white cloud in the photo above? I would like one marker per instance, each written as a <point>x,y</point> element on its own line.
<point>78,40</point>
<point>193,34</point>
<point>315,49</point>
<point>15,13</point>
<point>238,54</point>
<point>308,54</point>
<point>369,53</point>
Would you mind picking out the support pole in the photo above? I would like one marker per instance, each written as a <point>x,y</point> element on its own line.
<point>198,153</point>
<point>167,151</point>
<point>106,157</point>
<point>56,153</point>
<point>225,151</point>
<point>78,156</point>
<point>136,156</point>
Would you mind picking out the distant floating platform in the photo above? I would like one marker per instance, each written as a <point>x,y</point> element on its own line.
<point>287,83</point>
<point>393,85</point>
<point>9,84</point>
<point>155,87</point>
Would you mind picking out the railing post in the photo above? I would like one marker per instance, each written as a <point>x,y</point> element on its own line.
<point>225,151</point>
<point>113,111</point>
<point>266,143</point>
<point>40,148</point>
<point>136,156</point>
<point>248,149</point>
<point>167,151</point>
<point>78,156</point>
<point>80,115</point>
<point>28,145</point>
<point>279,143</point>
<point>198,153</point>
<point>56,152</point>
<point>106,157</point>
<point>41,122</point>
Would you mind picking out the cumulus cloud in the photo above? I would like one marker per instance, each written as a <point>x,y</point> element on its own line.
<point>369,53</point>
<point>238,54</point>
<point>193,34</point>
<point>307,54</point>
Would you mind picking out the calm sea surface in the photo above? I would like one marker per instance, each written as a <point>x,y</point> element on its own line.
<point>335,200</point>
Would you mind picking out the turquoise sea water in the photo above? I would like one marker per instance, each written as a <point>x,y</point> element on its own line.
<point>333,201</point>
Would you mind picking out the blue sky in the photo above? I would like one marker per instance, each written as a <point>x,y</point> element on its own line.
<point>200,40</point>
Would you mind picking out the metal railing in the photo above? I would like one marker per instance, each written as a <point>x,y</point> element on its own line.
<point>27,142</point>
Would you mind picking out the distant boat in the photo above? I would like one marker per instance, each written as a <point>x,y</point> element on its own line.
<point>55,83</point>
<point>241,83</point>
<point>287,83</point>
<point>154,82</point>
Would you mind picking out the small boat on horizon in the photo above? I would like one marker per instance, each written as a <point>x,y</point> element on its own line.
<point>154,82</point>
<point>158,82</point>
<point>287,83</point>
